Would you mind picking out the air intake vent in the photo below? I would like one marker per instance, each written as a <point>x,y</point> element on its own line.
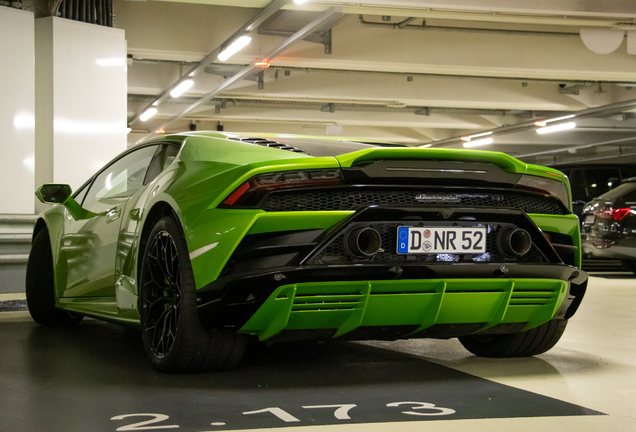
<point>269,143</point>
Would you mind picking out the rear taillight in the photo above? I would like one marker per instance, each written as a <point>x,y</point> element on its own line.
<point>616,214</point>
<point>236,194</point>
<point>547,186</point>
<point>252,191</point>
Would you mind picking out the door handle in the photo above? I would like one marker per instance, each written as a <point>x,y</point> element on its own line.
<point>112,215</point>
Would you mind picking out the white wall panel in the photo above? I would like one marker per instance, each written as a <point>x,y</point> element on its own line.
<point>16,111</point>
<point>81,98</point>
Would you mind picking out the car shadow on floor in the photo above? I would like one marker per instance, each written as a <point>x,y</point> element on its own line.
<point>107,353</point>
<point>99,371</point>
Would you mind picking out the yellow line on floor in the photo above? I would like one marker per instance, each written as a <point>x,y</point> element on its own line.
<point>16,316</point>
<point>12,296</point>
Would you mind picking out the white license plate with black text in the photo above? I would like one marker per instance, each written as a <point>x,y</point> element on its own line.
<point>415,240</point>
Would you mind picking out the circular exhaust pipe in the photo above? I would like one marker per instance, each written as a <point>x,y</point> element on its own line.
<point>514,242</point>
<point>363,242</point>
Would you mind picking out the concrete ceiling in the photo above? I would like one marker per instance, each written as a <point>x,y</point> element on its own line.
<point>456,68</point>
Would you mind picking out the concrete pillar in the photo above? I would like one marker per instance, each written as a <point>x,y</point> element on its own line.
<point>16,111</point>
<point>80,97</point>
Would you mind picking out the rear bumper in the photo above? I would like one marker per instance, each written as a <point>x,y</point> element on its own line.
<point>267,273</point>
<point>481,296</point>
<point>374,309</point>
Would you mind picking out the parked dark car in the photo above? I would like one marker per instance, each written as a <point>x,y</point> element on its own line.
<point>589,181</point>
<point>609,225</point>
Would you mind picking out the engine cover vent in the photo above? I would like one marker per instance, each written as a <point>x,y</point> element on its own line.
<point>269,143</point>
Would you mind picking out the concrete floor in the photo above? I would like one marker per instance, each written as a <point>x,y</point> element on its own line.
<point>95,378</point>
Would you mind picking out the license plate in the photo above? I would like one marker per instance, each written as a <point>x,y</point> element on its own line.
<point>589,219</point>
<point>415,240</point>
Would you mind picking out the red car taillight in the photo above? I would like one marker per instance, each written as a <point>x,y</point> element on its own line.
<point>616,214</point>
<point>250,192</point>
<point>555,188</point>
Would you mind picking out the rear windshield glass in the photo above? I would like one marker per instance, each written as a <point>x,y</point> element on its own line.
<point>626,191</point>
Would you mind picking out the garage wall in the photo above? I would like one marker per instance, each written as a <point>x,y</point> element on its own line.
<point>80,98</point>
<point>17,111</point>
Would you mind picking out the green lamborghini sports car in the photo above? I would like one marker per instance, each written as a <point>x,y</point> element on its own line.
<point>205,239</point>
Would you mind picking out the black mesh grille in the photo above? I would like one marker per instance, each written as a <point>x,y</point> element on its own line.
<point>315,200</point>
<point>334,252</point>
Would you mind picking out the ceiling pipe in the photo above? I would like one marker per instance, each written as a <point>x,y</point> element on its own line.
<point>592,159</point>
<point>582,147</point>
<point>530,124</point>
<point>404,25</point>
<point>417,74</point>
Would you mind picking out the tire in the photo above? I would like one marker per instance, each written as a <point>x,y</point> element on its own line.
<point>40,286</point>
<point>629,265</point>
<point>523,344</point>
<point>173,337</point>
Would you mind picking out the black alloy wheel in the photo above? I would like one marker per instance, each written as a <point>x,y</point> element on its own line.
<point>173,337</point>
<point>161,299</point>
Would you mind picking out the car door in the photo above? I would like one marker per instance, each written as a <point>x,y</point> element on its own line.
<point>89,245</point>
<point>130,229</point>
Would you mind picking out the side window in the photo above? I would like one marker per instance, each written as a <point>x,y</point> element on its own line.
<point>155,166</point>
<point>80,194</point>
<point>170,155</point>
<point>123,177</point>
<point>601,180</point>
<point>160,162</point>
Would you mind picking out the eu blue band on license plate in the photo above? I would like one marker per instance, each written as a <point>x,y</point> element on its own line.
<point>403,240</point>
<point>417,240</point>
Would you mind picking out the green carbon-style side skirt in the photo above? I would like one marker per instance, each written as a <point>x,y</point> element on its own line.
<point>345,306</point>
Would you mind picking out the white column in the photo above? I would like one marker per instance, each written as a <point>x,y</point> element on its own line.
<point>16,111</point>
<point>80,99</point>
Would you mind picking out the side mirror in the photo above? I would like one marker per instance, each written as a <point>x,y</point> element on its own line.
<point>54,193</point>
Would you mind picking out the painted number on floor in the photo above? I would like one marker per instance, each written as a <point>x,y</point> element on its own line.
<point>144,425</point>
<point>340,412</point>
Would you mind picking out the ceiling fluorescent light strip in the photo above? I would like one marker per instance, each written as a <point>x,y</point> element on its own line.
<point>556,128</point>
<point>181,88</point>
<point>480,142</point>
<point>235,47</point>
<point>147,114</point>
